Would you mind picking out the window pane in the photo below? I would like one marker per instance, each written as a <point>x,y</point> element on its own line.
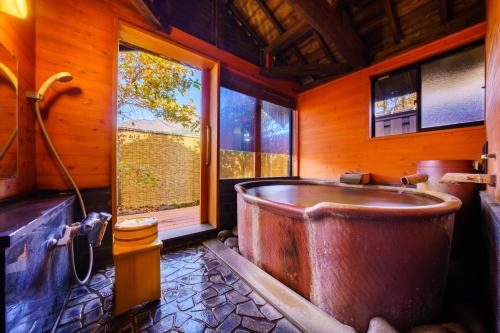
<point>395,103</point>
<point>237,127</point>
<point>452,89</point>
<point>275,140</point>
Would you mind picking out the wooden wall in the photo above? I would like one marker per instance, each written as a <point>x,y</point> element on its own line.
<point>81,37</point>
<point>334,125</point>
<point>18,35</point>
<point>493,87</point>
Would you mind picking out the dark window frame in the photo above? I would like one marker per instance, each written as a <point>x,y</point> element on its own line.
<point>257,135</point>
<point>418,67</point>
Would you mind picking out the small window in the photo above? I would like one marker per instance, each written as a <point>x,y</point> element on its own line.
<point>255,137</point>
<point>446,91</point>
<point>395,103</point>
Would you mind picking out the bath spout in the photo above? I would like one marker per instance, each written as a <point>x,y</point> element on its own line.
<point>94,226</point>
<point>414,179</point>
<point>477,178</point>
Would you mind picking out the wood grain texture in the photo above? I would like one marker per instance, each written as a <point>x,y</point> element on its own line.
<point>416,23</point>
<point>80,37</point>
<point>18,36</point>
<point>493,88</point>
<point>334,124</point>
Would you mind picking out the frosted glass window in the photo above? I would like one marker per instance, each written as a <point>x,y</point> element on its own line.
<point>237,134</point>
<point>453,89</point>
<point>275,140</point>
<point>254,137</point>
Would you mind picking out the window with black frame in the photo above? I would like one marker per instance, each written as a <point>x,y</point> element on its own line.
<point>443,92</point>
<point>255,137</point>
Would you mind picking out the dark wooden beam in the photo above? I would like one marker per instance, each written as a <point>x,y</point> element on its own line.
<point>305,70</point>
<point>390,12</point>
<point>151,13</point>
<point>316,83</point>
<point>326,49</point>
<point>236,81</point>
<point>321,16</point>
<point>288,37</point>
<point>445,10</point>
<point>274,21</point>
<point>277,25</point>
<point>242,22</point>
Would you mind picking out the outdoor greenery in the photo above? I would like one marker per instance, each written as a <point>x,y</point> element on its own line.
<point>152,83</point>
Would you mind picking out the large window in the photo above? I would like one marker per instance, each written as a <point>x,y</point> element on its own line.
<point>255,137</point>
<point>446,91</point>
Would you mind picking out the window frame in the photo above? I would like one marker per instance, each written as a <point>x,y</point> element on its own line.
<point>257,135</point>
<point>418,67</point>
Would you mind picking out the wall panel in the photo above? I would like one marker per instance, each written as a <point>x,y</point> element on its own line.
<point>18,35</point>
<point>81,37</point>
<point>334,125</point>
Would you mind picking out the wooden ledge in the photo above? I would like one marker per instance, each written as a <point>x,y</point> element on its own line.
<point>297,309</point>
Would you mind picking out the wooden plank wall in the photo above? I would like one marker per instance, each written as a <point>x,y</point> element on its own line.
<point>493,87</point>
<point>80,37</point>
<point>334,122</point>
<point>18,35</point>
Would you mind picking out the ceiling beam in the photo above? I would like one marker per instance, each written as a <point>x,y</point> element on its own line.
<point>287,38</point>
<point>326,49</point>
<point>274,21</point>
<point>390,12</point>
<point>240,20</point>
<point>277,25</point>
<point>305,70</point>
<point>321,16</point>
<point>150,11</point>
<point>445,10</point>
<point>316,83</point>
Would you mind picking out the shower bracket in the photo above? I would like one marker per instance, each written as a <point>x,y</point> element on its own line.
<point>34,95</point>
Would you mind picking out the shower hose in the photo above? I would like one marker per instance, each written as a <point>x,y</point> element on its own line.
<point>78,194</point>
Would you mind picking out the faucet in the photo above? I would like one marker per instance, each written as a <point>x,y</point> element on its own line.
<point>414,179</point>
<point>478,178</point>
<point>94,226</point>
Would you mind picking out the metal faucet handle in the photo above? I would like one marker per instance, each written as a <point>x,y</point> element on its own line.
<point>70,231</point>
<point>94,226</point>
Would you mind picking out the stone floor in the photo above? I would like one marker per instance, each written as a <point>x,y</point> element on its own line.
<point>199,294</point>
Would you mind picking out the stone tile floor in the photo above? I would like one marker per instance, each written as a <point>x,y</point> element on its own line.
<point>199,294</point>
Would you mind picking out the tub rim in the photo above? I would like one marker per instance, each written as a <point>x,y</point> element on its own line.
<point>449,204</point>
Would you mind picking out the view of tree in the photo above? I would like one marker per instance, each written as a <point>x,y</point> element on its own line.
<point>150,82</point>
<point>396,104</point>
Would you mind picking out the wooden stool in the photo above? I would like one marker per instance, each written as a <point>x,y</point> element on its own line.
<point>136,252</point>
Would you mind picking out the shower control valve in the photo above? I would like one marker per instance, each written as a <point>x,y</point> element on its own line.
<point>70,231</point>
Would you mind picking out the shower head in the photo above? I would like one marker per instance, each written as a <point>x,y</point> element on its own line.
<point>62,77</point>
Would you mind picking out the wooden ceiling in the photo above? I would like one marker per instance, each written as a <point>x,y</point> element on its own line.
<point>314,41</point>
